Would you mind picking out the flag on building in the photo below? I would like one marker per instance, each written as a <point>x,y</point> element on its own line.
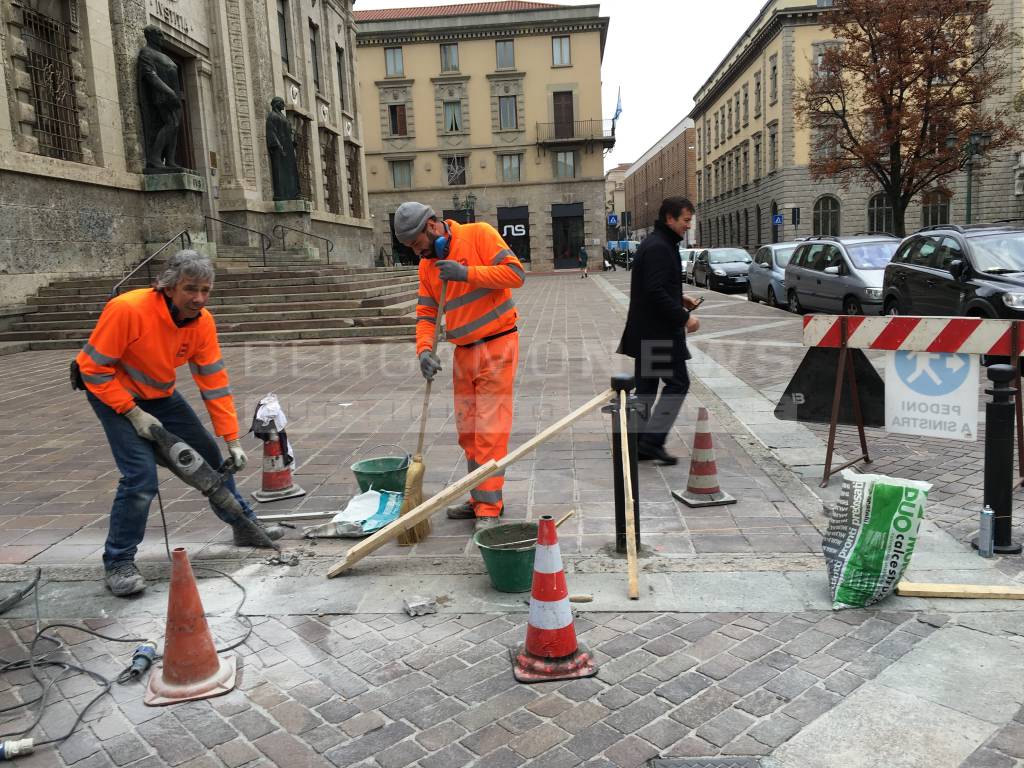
<point>618,105</point>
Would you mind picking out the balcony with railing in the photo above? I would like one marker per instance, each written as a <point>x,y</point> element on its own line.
<point>576,131</point>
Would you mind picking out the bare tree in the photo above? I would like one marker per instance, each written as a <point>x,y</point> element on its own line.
<point>901,79</point>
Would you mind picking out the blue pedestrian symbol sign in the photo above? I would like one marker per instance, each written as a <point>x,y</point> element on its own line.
<point>777,219</point>
<point>932,374</point>
<point>613,220</point>
<point>932,394</point>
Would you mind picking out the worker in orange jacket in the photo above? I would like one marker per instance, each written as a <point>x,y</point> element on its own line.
<point>479,271</point>
<point>128,369</point>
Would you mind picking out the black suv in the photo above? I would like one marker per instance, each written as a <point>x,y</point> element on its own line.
<point>973,271</point>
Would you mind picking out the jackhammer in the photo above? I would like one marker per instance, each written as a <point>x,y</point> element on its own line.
<point>185,462</point>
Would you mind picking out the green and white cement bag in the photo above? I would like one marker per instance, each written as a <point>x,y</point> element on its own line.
<point>871,536</point>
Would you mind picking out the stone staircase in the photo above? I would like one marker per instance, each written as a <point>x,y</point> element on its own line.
<point>290,301</point>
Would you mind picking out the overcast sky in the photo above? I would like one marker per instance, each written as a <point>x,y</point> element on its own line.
<point>659,51</point>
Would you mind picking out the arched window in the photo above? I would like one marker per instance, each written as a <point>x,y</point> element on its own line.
<point>935,208</point>
<point>775,227</point>
<point>826,216</point>
<point>757,225</point>
<point>880,218</point>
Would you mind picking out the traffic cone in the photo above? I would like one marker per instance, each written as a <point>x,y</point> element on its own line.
<point>277,480</point>
<point>191,668</point>
<point>551,651</point>
<point>702,489</point>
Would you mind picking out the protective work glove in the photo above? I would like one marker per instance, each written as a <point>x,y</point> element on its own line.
<point>142,422</point>
<point>430,364</point>
<point>452,270</point>
<point>237,455</point>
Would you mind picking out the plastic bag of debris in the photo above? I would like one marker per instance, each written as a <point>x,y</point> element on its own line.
<point>871,536</point>
<point>364,514</point>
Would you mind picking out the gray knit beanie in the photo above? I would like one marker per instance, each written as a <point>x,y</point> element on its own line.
<point>410,218</point>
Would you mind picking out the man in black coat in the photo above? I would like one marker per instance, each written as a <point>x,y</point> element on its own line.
<point>656,326</point>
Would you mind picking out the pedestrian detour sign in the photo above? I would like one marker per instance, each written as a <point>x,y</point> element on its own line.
<point>932,394</point>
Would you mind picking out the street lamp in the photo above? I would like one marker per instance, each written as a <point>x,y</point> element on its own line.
<point>975,146</point>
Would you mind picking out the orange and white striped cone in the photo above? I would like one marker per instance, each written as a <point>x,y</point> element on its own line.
<point>702,489</point>
<point>551,651</point>
<point>277,480</point>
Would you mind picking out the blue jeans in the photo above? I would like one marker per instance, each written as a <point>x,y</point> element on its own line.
<point>136,459</point>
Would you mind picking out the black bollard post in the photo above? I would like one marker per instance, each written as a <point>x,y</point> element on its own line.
<point>624,382</point>
<point>999,476</point>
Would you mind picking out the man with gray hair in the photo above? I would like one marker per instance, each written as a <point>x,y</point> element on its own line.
<point>128,369</point>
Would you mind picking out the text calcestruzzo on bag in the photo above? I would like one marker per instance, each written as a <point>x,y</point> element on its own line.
<point>871,535</point>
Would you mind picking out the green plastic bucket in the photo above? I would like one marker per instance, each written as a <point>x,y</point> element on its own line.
<point>384,474</point>
<point>510,568</point>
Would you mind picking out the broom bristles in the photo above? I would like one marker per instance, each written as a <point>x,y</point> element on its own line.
<point>411,499</point>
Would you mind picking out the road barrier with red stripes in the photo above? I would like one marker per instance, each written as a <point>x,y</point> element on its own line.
<point>963,335</point>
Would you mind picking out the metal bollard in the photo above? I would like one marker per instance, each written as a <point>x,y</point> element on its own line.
<point>634,410</point>
<point>999,471</point>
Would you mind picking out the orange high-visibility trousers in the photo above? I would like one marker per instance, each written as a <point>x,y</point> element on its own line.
<point>483,377</point>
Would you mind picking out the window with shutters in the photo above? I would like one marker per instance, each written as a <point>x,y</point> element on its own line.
<point>505,54</point>
<point>396,120</point>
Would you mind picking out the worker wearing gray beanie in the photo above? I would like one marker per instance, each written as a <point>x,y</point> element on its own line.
<point>410,219</point>
<point>467,274</point>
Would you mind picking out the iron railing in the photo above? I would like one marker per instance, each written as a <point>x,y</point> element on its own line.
<point>186,241</point>
<point>576,130</point>
<point>265,239</point>
<point>283,227</point>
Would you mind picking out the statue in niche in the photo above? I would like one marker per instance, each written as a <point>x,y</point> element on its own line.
<point>160,100</point>
<point>281,143</point>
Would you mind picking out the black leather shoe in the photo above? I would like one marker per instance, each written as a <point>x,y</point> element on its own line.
<point>657,453</point>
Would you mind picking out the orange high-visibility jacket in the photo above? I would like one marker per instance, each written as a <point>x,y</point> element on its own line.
<point>135,348</point>
<point>478,308</point>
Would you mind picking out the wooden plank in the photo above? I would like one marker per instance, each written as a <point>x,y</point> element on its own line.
<point>452,492</point>
<point>627,480</point>
<point>982,591</point>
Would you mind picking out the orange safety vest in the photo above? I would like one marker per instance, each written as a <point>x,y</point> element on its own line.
<point>135,348</point>
<point>483,305</point>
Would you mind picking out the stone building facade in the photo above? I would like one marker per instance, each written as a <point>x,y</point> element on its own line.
<point>491,112</point>
<point>667,169</point>
<point>752,155</point>
<point>615,200</point>
<point>73,198</point>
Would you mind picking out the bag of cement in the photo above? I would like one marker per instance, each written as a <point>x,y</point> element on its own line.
<point>364,514</point>
<point>871,536</point>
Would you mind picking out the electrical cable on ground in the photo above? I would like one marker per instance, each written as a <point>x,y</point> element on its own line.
<point>142,659</point>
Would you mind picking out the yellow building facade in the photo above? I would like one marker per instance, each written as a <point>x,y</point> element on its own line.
<point>753,184</point>
<point>490,116</point>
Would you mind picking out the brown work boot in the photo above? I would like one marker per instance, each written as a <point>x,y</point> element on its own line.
<point>463,511</point>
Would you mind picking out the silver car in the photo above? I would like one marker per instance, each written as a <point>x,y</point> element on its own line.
<point>768,273</point>
<point>839,274</point>
<point>686,257</point>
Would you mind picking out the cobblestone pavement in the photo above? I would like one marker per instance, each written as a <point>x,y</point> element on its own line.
<point>390,691</point>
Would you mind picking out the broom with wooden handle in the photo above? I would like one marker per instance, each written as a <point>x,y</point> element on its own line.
<point>413,496</point>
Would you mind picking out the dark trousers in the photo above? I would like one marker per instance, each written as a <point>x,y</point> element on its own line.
<point>661,362</point>
<point>136,460</point>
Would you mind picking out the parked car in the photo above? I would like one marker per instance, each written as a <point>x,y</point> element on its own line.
<point>974,271</point>
<point>721,269</point>
<point>687,257</point>
<point>839,274</point>
<point>768,273</point>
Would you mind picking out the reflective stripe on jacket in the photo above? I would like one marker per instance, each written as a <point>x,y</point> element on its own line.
<point>135,348</point>
<point>478,308</point>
